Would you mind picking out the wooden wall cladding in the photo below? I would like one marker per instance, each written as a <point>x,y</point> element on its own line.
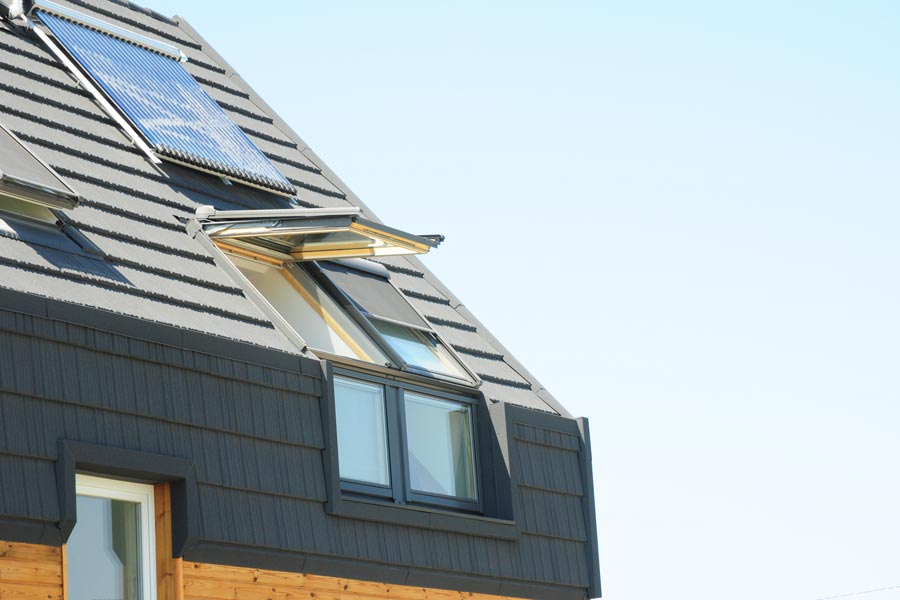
<point>31,572</point>
<point>203,581</point>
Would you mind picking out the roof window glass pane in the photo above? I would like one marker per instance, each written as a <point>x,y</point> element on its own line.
<point>179,120</point>
<point>419,349</point>
<point>314,315</point>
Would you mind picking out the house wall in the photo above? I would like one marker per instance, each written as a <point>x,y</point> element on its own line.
<point>31,571</point>
<point>249,425</point>
<point>36,572</point>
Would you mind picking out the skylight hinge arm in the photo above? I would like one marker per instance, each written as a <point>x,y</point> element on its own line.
<point>97,95</point>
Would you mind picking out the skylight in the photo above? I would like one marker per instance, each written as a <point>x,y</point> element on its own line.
<point>26,178</point>
<point>146,82</point>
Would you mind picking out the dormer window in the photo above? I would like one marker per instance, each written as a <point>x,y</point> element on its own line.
<point>404,402</point>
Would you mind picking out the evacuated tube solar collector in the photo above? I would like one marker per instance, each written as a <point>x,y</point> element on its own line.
<point>147,83</point>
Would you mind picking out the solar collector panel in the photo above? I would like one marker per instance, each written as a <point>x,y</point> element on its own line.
<point>180,121</point>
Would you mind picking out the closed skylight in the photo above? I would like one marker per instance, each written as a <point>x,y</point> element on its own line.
<point>24,177</point>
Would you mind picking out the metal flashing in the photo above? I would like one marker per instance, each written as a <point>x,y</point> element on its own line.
<point>110,29</point>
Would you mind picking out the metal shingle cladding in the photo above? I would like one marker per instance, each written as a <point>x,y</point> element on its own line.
<point>179,119</point>
<point>254,433</point>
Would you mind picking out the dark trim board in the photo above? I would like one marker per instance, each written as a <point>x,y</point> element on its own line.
<point>142,467</point>
<point>590,510</point>
<point>27,531</point>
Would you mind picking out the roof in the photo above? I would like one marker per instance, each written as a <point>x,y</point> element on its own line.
<point>135,211</point>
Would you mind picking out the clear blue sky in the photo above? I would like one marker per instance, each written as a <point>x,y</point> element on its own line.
<point>682,217</point>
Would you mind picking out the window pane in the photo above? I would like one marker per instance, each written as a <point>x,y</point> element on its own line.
<point>439,441</point>
<point>104,550</point>
<point>419,349</point>
<point>339,334</point>
<point>361,430</point>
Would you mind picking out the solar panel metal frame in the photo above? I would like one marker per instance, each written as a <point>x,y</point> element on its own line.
<point>274,181</point>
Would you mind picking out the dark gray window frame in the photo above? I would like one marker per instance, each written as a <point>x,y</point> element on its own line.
<point>491,520</point>
<point>130,465</point>
<point>400,490</point>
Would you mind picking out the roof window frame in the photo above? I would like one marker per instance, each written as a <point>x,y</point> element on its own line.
<point>400,490</point>
<point>230,228</point>
<point>364,320</point>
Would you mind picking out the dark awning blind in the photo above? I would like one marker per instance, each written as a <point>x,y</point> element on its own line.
<point>24,176</point>
<point>373,294</point>
<point>169,108</point>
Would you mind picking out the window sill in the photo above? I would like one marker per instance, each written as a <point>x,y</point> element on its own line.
<point>423,517</point>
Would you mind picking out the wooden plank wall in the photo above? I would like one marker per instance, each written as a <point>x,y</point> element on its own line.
<point>31,572</point>
<point>203,581</point>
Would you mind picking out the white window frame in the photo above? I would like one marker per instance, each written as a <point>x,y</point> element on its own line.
<point>139,493</point>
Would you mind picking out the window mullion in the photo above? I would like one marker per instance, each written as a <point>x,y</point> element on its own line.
<point>396,443</point>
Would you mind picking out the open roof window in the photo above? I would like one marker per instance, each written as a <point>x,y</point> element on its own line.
<point>307,273</point>
<point>295,235</point>
<point>143,78</point>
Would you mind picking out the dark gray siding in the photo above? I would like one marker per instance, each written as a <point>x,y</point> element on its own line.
<point>254,434</point>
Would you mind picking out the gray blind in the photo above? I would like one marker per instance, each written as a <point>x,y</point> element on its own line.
<point>373,294</point>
